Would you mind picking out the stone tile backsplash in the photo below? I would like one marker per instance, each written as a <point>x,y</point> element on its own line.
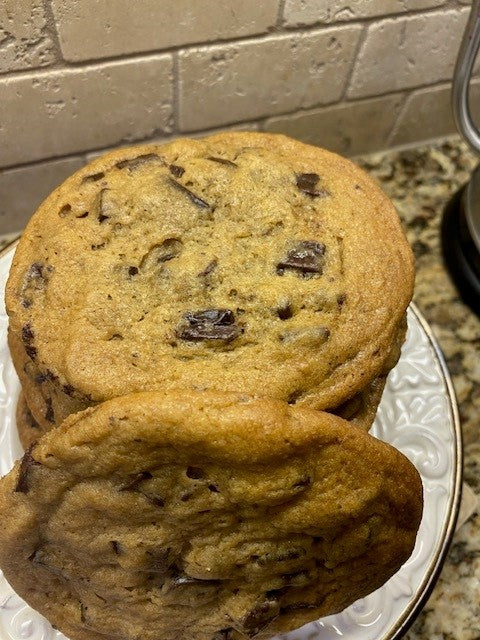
<point>80,76</point>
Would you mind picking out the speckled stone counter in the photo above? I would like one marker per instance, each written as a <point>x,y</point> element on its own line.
<point>421,181</point>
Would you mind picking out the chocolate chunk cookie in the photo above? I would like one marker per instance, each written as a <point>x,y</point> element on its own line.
<point>243,261</point>
<point>203,515</point>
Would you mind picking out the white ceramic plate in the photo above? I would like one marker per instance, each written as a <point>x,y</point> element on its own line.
<point>417,415</point>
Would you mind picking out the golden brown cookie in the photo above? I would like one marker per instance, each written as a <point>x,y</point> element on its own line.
<point>203,515</point>
<point>29,431</point>
<point>243,261</point>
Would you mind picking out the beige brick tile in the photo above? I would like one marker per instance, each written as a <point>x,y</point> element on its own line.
<point>99,28</point>
<point>349,129</point>
<point>61,112</point>
<point>24,188</point>
<point>428,114</point>
<point>247,126</point>
<point>248,80</point>
<point>300,12</point>
<point>408,52</point>
<point>24,42</point>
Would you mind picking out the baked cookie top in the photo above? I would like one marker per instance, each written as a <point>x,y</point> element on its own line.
<point>185,515</point>
<point>243,261</point>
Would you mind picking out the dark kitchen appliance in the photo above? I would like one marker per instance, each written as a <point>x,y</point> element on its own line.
<point>461,220</point>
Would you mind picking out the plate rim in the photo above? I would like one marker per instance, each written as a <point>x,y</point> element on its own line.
<point>435,567</point>
<point>433,571</point>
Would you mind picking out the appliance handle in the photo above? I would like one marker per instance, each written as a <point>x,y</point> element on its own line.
<point>461,78</point>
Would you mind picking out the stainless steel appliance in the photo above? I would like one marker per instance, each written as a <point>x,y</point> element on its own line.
<point>461,220</point>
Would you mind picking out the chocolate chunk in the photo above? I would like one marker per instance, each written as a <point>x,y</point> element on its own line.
<point>284,310</point>
<point>23,481</point>
<point>341,299</point>
<point>211,266</point>
<point>134,163</point>
<point>94,177</point>
<point>306,257</point>
<point>176,170</point>
<point>49,414</point>
<point>102,218</point>
<point>209,324</point>
<point>222,161</point>
<point>195,473</point>
<point>69,390</point>
<point>195,199</point>
<point>27,333</point>
<point>307,183</point>
<point>135,480</point>
<point>34,280</point>
<point>261,616</point>
<point>156,500</point>
<point>213,488</point>
<point>83,215</point>
<point>31,351</point>
<point>132,271</point>
<point>116,546</point>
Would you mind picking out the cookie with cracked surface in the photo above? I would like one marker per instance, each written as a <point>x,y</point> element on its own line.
<point>203,515</point>
<point>243,261</point>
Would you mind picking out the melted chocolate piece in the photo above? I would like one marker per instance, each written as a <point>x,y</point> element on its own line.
<point>34,280</point>
<point>195,199</point>
<point>23,481</point>
<point>82,215</point>
<point>27,334</point>
<point>284,310</point>
<point>209,324</point>
<point>31,351</point>
<point>211,266</point>
<point>94,177</point>
<point>49,414</point>
<point>102,218</point>
<point>195,473</point>
<point>176,170</point>
<point>341,299</point>
<point>132,271</point>
<point>116,546</point>
<point>222,161</point>
<point>135,480</point>
<point>307,183</point>
<point>305,257</point>
<point>134,163</point>
<point>69,390</point>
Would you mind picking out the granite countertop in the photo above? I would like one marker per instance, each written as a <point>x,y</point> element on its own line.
<point>421,181</point>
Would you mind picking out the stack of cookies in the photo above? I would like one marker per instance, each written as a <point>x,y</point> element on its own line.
<point>210,323</point>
